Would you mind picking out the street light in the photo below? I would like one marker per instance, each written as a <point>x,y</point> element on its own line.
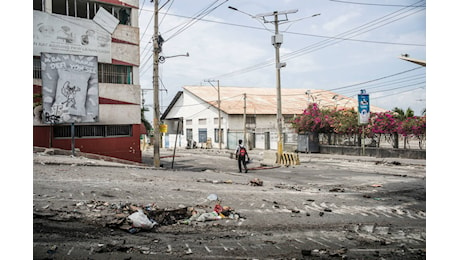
<point>277,40</point>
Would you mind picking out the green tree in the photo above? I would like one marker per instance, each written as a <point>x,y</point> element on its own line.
<point>146,123</point>
<point>403,116</point>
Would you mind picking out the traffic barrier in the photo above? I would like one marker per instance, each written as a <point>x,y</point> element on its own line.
<point>289,159</point>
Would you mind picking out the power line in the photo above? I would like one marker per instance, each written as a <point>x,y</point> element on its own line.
<point>410,85</point>
<point>377,79</point>
<point>195,19</point>
<point>325,43</point>
<point>398,93</point>
<point>359,3</point>
<point>388,83</point>
<point>302,34</point>
<point>140,9</point>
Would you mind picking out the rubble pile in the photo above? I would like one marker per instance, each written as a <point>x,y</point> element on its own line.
<point>134,218</point>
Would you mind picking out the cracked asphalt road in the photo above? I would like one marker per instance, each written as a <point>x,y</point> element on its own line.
<point>321,209</point>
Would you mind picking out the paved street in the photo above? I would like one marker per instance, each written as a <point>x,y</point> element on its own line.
<point>328,207</point>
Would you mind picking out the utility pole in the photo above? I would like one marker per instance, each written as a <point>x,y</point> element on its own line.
<point>156,103</point>
<point>277,40</point>
<point>244,121</point>
<point>220,117</point>
<point>218,107</point>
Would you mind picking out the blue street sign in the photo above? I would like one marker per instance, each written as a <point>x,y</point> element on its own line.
<point>363,107</point>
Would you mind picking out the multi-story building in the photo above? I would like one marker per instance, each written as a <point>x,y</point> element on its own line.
<point>86,76</point>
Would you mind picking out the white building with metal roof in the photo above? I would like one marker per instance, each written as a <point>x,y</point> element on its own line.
<point>197,110</point>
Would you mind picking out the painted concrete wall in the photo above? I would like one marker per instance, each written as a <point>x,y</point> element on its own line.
<point>127,148</point>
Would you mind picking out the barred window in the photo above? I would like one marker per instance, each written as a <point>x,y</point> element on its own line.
<point>86,9</point>
<point>37,68</point>
<point>189,133</point>
<point>250,120</point>
<point>119,130</point>
<point>202,135</point>
<point>107,73</point>
<point>216,134</point>
<point>110,73</point>
<point>81,131</point>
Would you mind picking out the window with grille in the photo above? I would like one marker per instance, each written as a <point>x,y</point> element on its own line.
<point>110,73</point>
<point>37,68</point>
<point>107,73</point>
<point>202,135</point>
<point>86,9</point>
<point>81,131</point>
<point>189,133</point>
<point>216,134</point>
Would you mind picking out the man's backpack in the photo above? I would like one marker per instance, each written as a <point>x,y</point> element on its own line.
<point>242,151</point>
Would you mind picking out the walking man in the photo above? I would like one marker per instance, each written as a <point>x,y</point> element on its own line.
<point>241,154</point>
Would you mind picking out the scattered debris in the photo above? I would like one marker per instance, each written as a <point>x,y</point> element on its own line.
<point>289,187</point>
<point>376,185</point>
<point>52,250</point>
<point>325,252</point>
<point>212,197</point>
<point>140,220</point>
<point>337,190</point>
<point>134,218</point>
<point>256,182</point>
<point>215,181</point>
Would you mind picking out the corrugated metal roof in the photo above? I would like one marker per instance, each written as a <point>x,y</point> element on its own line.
<point>263,100</point>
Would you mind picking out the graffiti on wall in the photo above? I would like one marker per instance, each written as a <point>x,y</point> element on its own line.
<point>69,88</point>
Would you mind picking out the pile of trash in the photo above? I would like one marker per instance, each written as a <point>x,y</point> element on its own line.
<point>134,218</point>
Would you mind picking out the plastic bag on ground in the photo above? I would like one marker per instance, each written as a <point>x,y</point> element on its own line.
<point>205,216</point>
<point>140,220</point>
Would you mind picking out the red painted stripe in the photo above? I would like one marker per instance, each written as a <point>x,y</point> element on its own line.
<point>119,62</point>
<point>118,2</point>
<point>37,89</point>
<point>122,41</point>
<point>108,101</point>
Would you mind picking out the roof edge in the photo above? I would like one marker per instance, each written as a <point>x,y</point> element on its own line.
<point>171,104</point>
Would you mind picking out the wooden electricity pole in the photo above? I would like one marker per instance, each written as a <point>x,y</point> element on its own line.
<point>156,104</point>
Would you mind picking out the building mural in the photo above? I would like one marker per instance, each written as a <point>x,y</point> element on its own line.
<point>70,88</point>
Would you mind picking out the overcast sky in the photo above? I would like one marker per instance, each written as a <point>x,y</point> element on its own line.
<point>351,45</point>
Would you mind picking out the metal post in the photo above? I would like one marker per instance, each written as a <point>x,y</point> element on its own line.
<point>72,134</point>
<point>156,104</point>
<point>363,142</point>
<point>220,126</point>
<point>218,107</point>
<point>244,121</point>
<point>175,143</point>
